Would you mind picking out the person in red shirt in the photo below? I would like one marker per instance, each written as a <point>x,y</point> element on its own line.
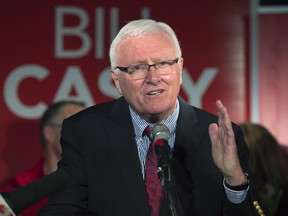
<point>50,127</point>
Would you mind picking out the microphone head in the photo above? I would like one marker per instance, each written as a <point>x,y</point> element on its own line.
<point>160,135</point>
<point>159,131</point>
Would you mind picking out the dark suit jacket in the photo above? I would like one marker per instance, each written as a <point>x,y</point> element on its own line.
<point>100,154</point>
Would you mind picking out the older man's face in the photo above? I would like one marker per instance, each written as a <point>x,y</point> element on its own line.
<point>155,96</point>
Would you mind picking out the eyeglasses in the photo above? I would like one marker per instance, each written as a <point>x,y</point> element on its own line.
<point>140,71</point>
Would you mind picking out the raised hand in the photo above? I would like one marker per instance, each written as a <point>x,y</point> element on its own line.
<point>224,150</point>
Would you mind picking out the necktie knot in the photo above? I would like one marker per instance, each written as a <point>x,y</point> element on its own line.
<point>147,132</point>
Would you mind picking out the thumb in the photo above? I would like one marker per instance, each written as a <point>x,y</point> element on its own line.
<point>213,132</point>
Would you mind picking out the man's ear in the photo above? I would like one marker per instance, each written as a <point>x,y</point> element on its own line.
<point>49,134</point>
<point>116,81</point>
<point>181,68</point>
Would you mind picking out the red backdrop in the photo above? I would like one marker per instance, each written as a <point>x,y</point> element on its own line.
<point>273,74</point>
<point>51,51</point>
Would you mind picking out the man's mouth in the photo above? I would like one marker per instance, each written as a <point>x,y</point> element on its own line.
<point>155,92</point>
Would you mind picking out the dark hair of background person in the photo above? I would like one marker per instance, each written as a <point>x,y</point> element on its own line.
<point>52,112</point>
<point>267,161</point>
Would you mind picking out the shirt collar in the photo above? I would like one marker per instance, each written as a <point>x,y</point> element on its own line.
<point>140,124</point>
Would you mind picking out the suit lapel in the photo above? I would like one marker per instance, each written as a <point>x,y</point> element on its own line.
<point>124,148</point>
<point>186,136</point>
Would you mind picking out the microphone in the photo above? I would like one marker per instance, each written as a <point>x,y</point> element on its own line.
<point>23,197</point>
<point>160,135</point>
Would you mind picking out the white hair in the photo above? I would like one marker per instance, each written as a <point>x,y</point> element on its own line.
<point>139,28</point>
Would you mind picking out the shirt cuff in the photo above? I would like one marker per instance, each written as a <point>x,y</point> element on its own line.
<point>235,197</point>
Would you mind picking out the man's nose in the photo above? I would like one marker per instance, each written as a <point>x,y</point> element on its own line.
<point>153,74</point>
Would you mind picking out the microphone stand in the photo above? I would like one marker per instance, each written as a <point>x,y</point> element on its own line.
<point>160,135</point>
<point>164,174</point>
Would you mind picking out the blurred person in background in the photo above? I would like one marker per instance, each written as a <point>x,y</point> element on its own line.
<point>267,161</point>
<point>49,131</point>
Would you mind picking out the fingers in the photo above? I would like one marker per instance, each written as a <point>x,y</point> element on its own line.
<point>224,151</point>
<point>224,120</point>
<point>213,132</point>
<point>222,111</point>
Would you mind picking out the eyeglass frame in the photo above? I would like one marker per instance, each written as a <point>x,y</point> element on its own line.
<point>126,69</point>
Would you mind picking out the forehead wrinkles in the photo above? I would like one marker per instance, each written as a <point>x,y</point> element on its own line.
<point>139,49</point>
